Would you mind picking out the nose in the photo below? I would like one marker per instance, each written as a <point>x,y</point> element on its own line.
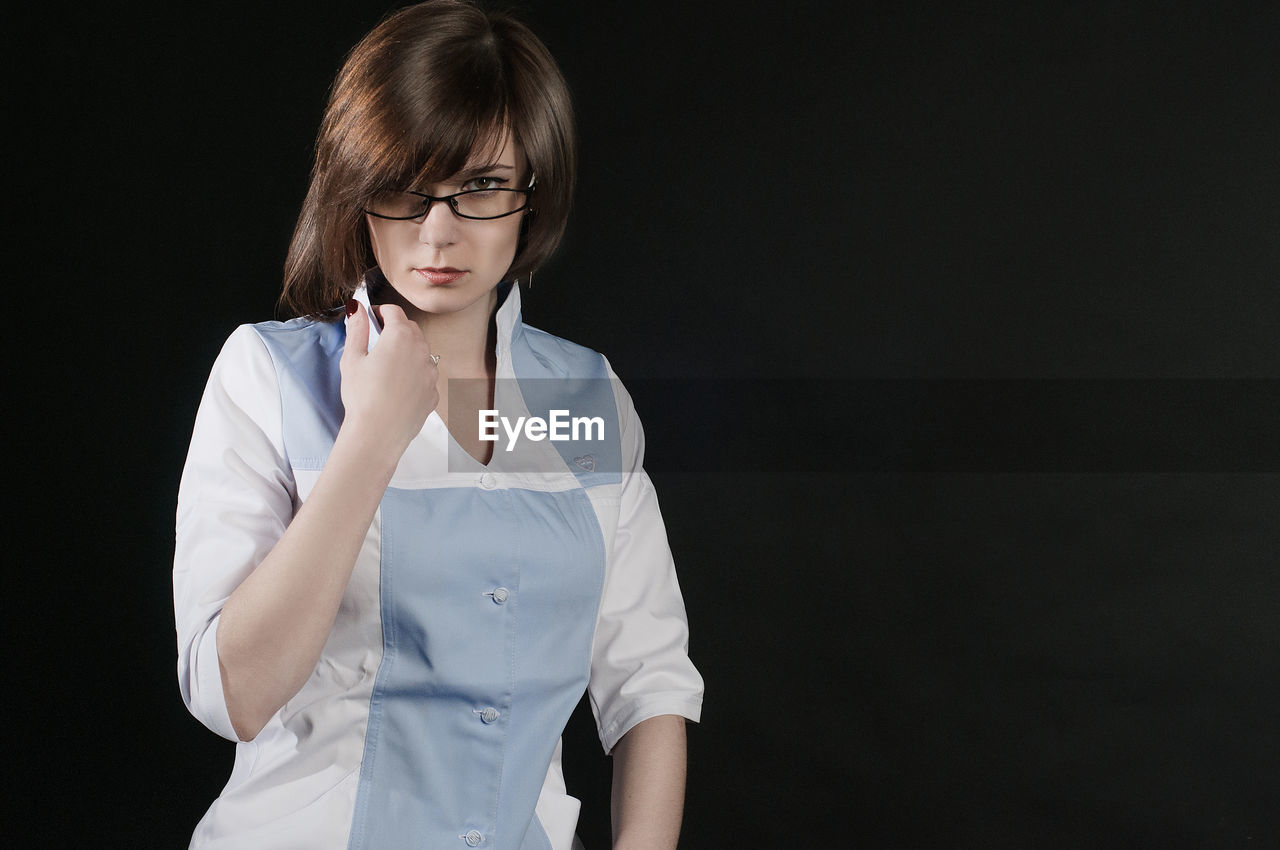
<point>439,227</point>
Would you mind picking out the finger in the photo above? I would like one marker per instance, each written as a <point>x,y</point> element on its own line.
<point>357,332</point>
<point>392,315</point>
<point>389,314</point>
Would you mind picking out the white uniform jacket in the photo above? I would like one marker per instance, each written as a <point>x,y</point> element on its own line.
<point>483,602</point>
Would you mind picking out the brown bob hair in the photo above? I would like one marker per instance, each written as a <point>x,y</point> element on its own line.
<point>424,90</point>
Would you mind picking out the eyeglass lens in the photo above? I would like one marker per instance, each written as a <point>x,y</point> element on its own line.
<point>481,204</point>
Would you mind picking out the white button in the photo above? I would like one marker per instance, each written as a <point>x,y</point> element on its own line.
<point>500,595</point>
<point>488,482</point>
<point>490,714</point>
<point>473,838</point>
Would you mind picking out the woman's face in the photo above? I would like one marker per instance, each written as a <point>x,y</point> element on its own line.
<point>447,264</point>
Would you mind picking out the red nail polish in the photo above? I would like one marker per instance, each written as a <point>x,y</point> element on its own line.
<point>352,306</point>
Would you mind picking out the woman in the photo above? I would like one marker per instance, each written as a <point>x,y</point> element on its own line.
<point>395,617</point>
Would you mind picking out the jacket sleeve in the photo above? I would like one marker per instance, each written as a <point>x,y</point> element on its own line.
<point>640,667</point>
<point>235,499</point>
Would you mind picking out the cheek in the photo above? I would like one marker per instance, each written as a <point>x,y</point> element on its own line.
<point>507,242</point>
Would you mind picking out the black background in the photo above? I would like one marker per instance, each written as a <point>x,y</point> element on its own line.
<point>863,229</point>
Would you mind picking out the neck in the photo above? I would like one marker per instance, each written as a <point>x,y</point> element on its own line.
<point>465,340</point>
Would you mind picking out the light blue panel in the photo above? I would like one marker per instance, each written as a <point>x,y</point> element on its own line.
<point>556,374</point>
<point>489,601</point>
<point>306,355</point>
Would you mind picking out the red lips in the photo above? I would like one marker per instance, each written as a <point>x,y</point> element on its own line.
<point>441,276</point>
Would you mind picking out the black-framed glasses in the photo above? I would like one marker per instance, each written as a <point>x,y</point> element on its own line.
<point>475,204</point>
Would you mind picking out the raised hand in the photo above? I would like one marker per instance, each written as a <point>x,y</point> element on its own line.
<point>388,392</point>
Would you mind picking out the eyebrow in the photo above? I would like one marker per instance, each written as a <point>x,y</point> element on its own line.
<point>475,170</point>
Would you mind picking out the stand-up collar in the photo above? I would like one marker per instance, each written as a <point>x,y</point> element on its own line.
<point>507,319</point>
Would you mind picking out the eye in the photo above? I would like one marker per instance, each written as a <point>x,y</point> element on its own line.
<point>483,183</point>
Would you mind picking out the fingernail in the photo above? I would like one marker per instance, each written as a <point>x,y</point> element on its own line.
<point>352,306</point>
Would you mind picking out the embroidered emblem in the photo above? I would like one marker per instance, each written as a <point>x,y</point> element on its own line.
<point>587,462</point>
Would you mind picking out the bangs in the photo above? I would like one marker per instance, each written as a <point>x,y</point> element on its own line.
<point>445,108</point>
<point>437,162</point>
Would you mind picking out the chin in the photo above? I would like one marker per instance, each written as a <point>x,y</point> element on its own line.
<point>444,299</point>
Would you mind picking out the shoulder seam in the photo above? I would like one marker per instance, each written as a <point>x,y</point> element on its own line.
<point>275,365</point>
